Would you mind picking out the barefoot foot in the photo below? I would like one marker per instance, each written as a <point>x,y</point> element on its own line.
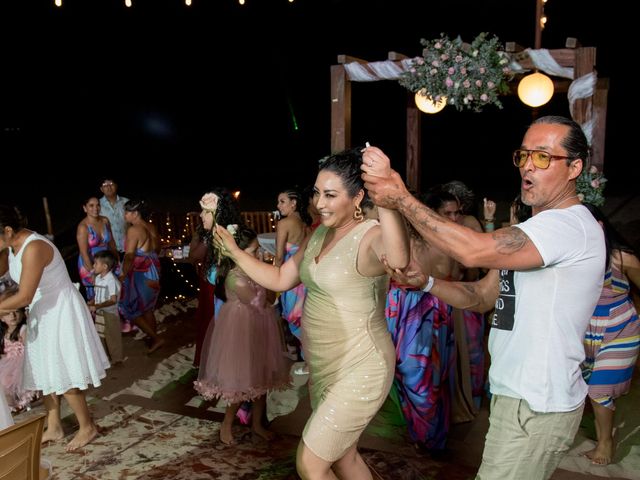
<point>82,438</point>
<point>52,434</point>
<point>603,453</point>
<point>227,438</point>
<point>156,345</point>
<point>264,433</point>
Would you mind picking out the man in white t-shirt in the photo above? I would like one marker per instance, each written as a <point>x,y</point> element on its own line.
<point>551,269</point>
<point>105,304</point>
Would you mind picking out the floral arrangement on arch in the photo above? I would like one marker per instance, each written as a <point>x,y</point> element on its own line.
<point>590,186</point>
<point>468,76</point>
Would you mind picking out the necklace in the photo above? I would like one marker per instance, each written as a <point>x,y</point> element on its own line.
<point>560,202</point>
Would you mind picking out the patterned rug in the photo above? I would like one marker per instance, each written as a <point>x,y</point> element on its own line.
<point>138,443</point>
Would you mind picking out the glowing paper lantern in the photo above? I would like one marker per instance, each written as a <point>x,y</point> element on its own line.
<point>535,89</point>
<point>429,106</point>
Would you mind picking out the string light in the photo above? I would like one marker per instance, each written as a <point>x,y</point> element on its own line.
<point>58,3</point>
<point>127,3</point>
<point>187,3</point>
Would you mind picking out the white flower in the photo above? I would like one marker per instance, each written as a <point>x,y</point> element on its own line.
<point>209,201</point>
<point>232,228</point>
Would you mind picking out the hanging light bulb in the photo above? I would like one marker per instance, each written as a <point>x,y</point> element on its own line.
<point>535,89</point>
<point>187,3</point>
<point>127,3</point>
<point>58,3</point>
<point>426,105</point>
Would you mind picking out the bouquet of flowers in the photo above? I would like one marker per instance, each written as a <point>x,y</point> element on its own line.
<point>467,76</point>
<point>590,186</point>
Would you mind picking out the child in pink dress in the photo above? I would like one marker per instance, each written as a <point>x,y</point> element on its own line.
<point>13,330</point>
<point>242,356</point>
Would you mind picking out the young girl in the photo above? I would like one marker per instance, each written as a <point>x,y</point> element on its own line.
<point>242,356</point>
<point>13,330</point>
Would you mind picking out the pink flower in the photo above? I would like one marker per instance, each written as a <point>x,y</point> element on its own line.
<point>448,82</point>
<point>420,61</point>
<point>451,71</point>
<point>595,183</point>
<point>593,169</point>
<point>463,71</point>
<point>478,83</point>
<point>491,84</point>
<point>466,84</point>
<point>435,63</point>
<point>209,201</point>
<point>484,97</point>
<point>482,70</point>
<point>437,45</point>
<point>458,58</point>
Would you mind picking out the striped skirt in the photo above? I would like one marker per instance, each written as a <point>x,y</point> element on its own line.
<point>611,343</point>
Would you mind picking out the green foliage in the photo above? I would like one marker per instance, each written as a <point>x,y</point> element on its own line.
<point>590,186</point>
<point>469,76</point>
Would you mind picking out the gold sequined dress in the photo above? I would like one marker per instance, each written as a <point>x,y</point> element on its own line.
<point>346,343</point>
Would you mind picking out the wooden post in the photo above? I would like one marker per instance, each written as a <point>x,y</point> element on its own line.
<point>598,132</point>
<point>414,146</point>
<point>340,109</point>
<point>47,215</point>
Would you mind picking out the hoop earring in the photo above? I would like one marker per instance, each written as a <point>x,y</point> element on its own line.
<point>357,214</point>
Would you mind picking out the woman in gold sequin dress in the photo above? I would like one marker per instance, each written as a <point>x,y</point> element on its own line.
<point>345,338</point>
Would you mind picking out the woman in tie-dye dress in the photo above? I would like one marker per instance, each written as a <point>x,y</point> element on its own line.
<point>291,231</point>
<point>93,235</point>
<point>612,340</point>
<point>140,275</point>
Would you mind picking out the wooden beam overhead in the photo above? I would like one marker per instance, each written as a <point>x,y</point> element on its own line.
<point>395,56</point>
<point>342,59</point>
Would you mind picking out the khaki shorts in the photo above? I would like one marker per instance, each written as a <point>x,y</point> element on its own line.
<point>525,445</point>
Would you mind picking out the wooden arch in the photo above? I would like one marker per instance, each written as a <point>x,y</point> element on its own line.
<point>581,59</point>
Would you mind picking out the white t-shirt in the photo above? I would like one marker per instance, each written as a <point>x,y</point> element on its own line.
<point>105,287</point>
<point>536,339</point>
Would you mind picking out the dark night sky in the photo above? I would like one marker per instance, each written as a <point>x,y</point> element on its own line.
<point>95,88</point>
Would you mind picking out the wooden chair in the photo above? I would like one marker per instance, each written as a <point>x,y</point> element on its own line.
<point>20,450</point>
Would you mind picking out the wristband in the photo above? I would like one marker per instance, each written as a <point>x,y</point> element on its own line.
<point>429,284</point>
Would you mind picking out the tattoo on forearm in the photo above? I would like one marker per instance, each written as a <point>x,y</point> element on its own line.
<point>421,216</point>
<point>509,240</point>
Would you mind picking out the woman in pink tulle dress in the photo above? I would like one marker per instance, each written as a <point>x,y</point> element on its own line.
<point>242,356</point>
<point>13,330</point>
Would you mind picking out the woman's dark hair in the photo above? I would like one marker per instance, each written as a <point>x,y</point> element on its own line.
<point>613,240</point>
<point>243,237</point>
<point>465,196</point>
<point>302,202</point>
<point>140,206</point>
<point>227,213</point>
<point>15,335</point>
<point>11,217</point>
<point>346,165</point>
<point>575,143</point>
